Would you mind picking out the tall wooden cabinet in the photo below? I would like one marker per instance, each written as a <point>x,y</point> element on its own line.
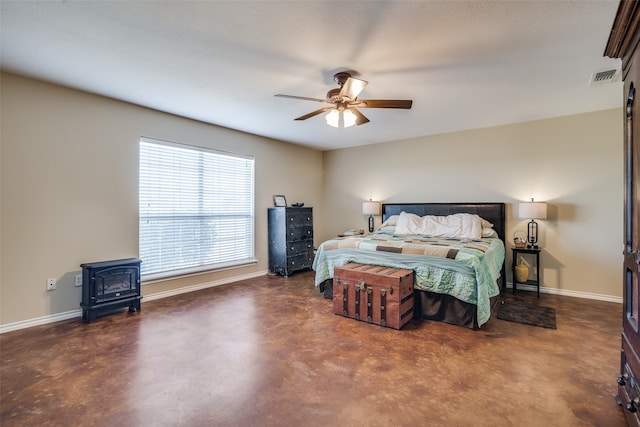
<point>290,240</point>
<point>623,43</point>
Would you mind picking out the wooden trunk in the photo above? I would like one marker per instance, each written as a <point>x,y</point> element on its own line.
<point>374,294</point>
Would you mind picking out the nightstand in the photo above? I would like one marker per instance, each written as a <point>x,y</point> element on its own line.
<point>516,252</point>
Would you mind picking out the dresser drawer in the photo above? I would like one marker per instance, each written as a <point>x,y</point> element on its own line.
<point>299,262</point>
<point>629,396</point>
<point>299,247</point>
<point>628,387</point>
<point>299,233</point>
<point>300,217</point>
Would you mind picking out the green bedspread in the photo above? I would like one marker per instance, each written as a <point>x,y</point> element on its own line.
<point>465,269</point>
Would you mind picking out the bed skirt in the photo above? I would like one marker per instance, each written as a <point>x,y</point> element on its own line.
<point>434,306</point>
<point>326,288</point>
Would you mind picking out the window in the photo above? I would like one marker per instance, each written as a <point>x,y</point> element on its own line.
<point>196,209</point>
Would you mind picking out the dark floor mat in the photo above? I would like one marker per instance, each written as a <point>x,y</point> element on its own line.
<point>535,315</point>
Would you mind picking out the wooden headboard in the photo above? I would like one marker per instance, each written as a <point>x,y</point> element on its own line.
<point>492,212</point>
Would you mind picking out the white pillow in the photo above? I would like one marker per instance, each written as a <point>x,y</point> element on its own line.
<point>389,229</point>
<point>485,223</point>
<point>489,232</point>
<point>459,226</point>
<point>391,221</point>
<point>409,223</point>
<point>487,229</point>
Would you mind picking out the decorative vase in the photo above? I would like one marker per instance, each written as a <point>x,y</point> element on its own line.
<point>521,272</point>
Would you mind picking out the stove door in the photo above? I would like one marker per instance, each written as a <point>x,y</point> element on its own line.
<point>115,283</point>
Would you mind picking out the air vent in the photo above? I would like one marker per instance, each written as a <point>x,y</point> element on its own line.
<point>603,77</point>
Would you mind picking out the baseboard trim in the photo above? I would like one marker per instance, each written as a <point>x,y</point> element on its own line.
<point>24,324</point>
<point>29,323</point>
<point>568,293</point>
<point>193,288</point>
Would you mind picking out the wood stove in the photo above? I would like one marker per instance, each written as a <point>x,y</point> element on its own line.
<point>109,285</point>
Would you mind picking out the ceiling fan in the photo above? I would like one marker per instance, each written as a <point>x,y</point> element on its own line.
<point>345,103</point>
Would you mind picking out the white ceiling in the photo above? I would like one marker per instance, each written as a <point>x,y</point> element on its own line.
<point>465,64</point>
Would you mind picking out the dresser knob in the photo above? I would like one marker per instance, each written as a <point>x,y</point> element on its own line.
<point>632,406</point>
<point>621,380</point>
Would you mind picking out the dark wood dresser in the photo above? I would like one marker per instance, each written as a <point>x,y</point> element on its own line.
<point>623,43</point>
<point>290,240</point>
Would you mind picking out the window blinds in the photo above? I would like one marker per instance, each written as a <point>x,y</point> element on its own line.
<point>196,209</point>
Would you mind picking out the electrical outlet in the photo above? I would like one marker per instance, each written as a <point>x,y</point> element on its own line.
<point>78,281</point>
<point>51,284</point>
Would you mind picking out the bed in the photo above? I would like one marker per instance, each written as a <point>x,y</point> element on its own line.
<point>457,279</point>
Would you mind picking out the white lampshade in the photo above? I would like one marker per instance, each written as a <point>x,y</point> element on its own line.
<point>349,118</point>
<point>333,118</point>
<point>532,210</point>
<point>371,208</point>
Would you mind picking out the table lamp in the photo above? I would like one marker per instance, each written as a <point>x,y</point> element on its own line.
<point>370,208</point>
<point>532,210</point>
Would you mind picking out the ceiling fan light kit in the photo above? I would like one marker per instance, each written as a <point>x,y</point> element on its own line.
<point>343,112</point>
<point>338,118</point>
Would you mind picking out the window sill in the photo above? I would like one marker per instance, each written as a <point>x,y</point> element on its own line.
<point>190,272</point>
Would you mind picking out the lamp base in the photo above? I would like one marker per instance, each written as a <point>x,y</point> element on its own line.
<point>532,235</point>
<point>370,223</point>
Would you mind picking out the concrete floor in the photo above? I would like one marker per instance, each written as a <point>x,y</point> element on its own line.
<point>270,352</point>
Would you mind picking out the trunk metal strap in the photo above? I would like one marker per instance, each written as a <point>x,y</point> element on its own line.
<point>383,311</point>
<point>345,298</point>
<point>370,304</point>
<point>357,300</point>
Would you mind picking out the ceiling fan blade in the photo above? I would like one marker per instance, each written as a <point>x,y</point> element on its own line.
<point>352,88</point>
<point>314,113</point>
<point>301,97</point>
<point>360,118</point>
<point>384,103</point>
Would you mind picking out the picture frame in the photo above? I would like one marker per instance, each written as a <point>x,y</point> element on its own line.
<point>279,201</point>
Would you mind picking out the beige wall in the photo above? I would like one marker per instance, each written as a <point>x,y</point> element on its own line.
<point>69,189</point>
<point>574,163</point>
<point>52,196</point>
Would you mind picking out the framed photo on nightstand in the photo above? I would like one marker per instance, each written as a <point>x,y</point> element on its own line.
<point>279,201</point>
